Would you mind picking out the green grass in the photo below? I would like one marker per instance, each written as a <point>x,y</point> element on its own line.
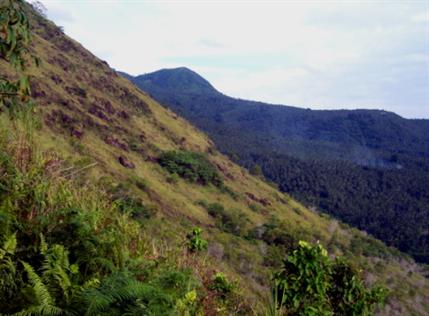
<point>150,219</point>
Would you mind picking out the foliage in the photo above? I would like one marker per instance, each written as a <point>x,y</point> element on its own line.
<point>368,168</point>
<point>75,254</point>
<point>195,242</point>
<point>229,220</point>
<point>187,306</point>
<point>192,166</point>
<point>389,204</point>
<point>310,283</point>
<point>135,208</point>
<point>123,267</point>
<point>256,170</point>
<point>14,48</point>
<point>221,285</point>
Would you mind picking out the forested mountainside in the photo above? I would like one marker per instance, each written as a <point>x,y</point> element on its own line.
<point>368,168</point>
<point>111,204</point>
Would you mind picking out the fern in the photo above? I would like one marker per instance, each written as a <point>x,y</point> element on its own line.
<point>116,289</point>
<point>8,275</point>
<point>44,302</point>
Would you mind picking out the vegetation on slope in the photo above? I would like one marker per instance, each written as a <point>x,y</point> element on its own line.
<point>92,162</point>
<point>68,247</point>
<point>367,168</point>
<point>191,166</point>
<point>312,284</point>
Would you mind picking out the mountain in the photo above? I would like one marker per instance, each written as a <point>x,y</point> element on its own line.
<point>369,168</point>
<point>103,193</point>
<point>365,134</point>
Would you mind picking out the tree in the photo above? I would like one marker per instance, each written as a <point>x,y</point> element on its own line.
<point>310,283</point>
<point>256,170</point>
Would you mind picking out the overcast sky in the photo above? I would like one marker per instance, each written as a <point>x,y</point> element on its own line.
<point>316,54</point>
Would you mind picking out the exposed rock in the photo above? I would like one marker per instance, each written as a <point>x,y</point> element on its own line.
<point>77,91</point>
<point>124,161</point>
<point>77,133</point>
<point>142,136</point>
<point>264,201</point>
<point>112,141</point>
<point>124,115</point>
<point>98,111</point>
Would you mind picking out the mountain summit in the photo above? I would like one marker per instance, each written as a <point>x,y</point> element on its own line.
<point>176,80</point>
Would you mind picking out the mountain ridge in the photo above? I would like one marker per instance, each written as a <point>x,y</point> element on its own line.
<point>94,133</point>
<point>276,115</point>
<point>369,154</point>
<point>195,78</point>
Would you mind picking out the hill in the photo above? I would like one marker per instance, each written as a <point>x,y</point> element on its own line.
<point>368,168</point>
<point>100,191</point>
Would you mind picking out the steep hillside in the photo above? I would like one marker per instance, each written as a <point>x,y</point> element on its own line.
<point>93,127</point>
<point>367,168</point>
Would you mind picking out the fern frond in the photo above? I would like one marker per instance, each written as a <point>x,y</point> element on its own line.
<point>115,289</point>
<point>45,303</point>
<point>96,301</point>
<point>9,245</point>
<point>56,267</point>
<point>40,290</point>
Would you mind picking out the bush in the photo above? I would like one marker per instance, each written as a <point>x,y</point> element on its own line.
<point>310,283</point>
<point>195,241</point>
<point>191,166</point>
<point>136,208</point>
<point>221,285</point>
<point>256,170</point>
<point>230,221</point>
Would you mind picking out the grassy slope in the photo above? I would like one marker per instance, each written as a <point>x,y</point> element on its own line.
<point>80,124</point>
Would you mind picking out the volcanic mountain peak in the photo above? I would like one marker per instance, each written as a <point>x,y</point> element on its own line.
<point>180,79</point>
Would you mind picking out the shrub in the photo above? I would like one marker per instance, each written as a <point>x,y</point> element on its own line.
<point>136,208</point>
<point>230,221</point>
<point>256,170</point>
<point>191,166</point>
<point>229,191</point>
<point>310,283</point>
<point>221,285</point>
<point>254,207</point>
<point>173,178</point>
<point>195,241</point>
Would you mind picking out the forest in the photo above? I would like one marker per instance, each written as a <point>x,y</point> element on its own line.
<point>368,168</point>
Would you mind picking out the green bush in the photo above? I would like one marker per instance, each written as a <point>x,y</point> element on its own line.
<point>230,221</point>
<point>310,283</point>
<point>136,208</point>
<point>191,166</point>
<point>256,170</point>
<point>221,285</point>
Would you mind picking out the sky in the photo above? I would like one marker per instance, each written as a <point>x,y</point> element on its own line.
<point>312,54</point>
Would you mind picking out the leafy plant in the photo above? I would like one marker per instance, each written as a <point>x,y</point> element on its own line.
<point>14,48</point>
<point>310,283</point>
<point>195,242</point>
<point>221,284</point>
<point>187,305</point>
